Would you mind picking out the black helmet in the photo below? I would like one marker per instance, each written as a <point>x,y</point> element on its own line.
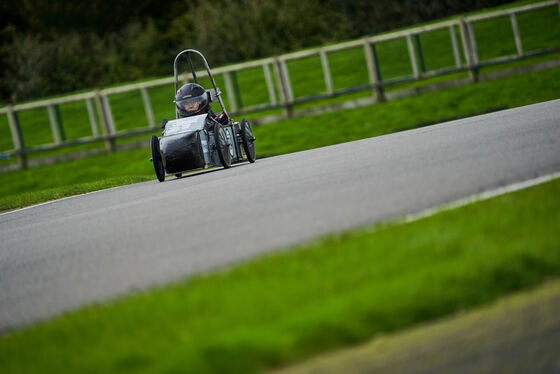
<point>191,99</point>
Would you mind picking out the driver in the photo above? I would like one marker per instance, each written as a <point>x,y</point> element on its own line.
<point>192,99</point>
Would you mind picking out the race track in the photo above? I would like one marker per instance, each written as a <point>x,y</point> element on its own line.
<point>60,255</point>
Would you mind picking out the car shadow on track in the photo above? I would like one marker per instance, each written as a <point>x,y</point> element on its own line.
<point>204,171</point>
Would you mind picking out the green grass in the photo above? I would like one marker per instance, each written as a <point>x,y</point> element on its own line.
<point>46,194</point>
<point>528,316</point>
<point>539,29</point>
<point>330,293</point>
<point>24,187</point>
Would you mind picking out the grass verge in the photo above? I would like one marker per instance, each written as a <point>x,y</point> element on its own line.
<point>505,328</point>
<point>284,307</point>
<point>24,187</point>
<point>35,197</point>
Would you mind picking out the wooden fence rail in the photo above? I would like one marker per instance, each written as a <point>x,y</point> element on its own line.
<point>276,75</point>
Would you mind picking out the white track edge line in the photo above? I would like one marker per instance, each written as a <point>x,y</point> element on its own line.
<point>478,197</point>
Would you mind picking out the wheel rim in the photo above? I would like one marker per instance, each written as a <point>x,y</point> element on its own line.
<point>222,145</point>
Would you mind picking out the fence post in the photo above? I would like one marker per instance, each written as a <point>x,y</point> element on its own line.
<point>472,38</point>
<point>230,92</point>
<point>109,114</point>
<point>455,46</point>
<point>17,137</point>
<point>92,121</point>
<point>286,79</point>
<point>412,55</point>
<point>279,82</point>
<point>148,107</point>
<point>326,71</point>
<point>280,70</point>
<point>467,47</point>
<point>516,34</point>
<point>101,109</point>
<point>54,125</point>
<point>269,84</point>
<point>373,70</point>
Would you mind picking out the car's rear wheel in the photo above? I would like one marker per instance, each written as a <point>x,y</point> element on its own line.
<point>156,159</point>
<point>248,140</point>
<point>222,145</point>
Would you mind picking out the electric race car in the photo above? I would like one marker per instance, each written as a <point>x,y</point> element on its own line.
<point>197,138</point>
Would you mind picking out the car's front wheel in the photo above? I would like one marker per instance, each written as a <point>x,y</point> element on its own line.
<point>156,159</point>
<point>248,140</point>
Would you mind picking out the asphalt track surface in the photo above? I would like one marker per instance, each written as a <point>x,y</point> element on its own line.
<point>79,250</point>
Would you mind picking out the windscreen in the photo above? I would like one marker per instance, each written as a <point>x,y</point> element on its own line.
<point>185,124</point>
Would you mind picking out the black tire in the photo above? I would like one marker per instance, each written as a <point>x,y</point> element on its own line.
<point>248,140</point>
<point>179,175</point>
<point>222,145</point>
<point>156,159</point>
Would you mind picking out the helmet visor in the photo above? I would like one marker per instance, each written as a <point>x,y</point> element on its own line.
<point>191,104</point>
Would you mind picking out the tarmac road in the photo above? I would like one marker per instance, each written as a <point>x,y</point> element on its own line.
<point>60,255</point>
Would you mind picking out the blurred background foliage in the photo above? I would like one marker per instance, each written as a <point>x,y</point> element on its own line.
<point>49,47</point>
